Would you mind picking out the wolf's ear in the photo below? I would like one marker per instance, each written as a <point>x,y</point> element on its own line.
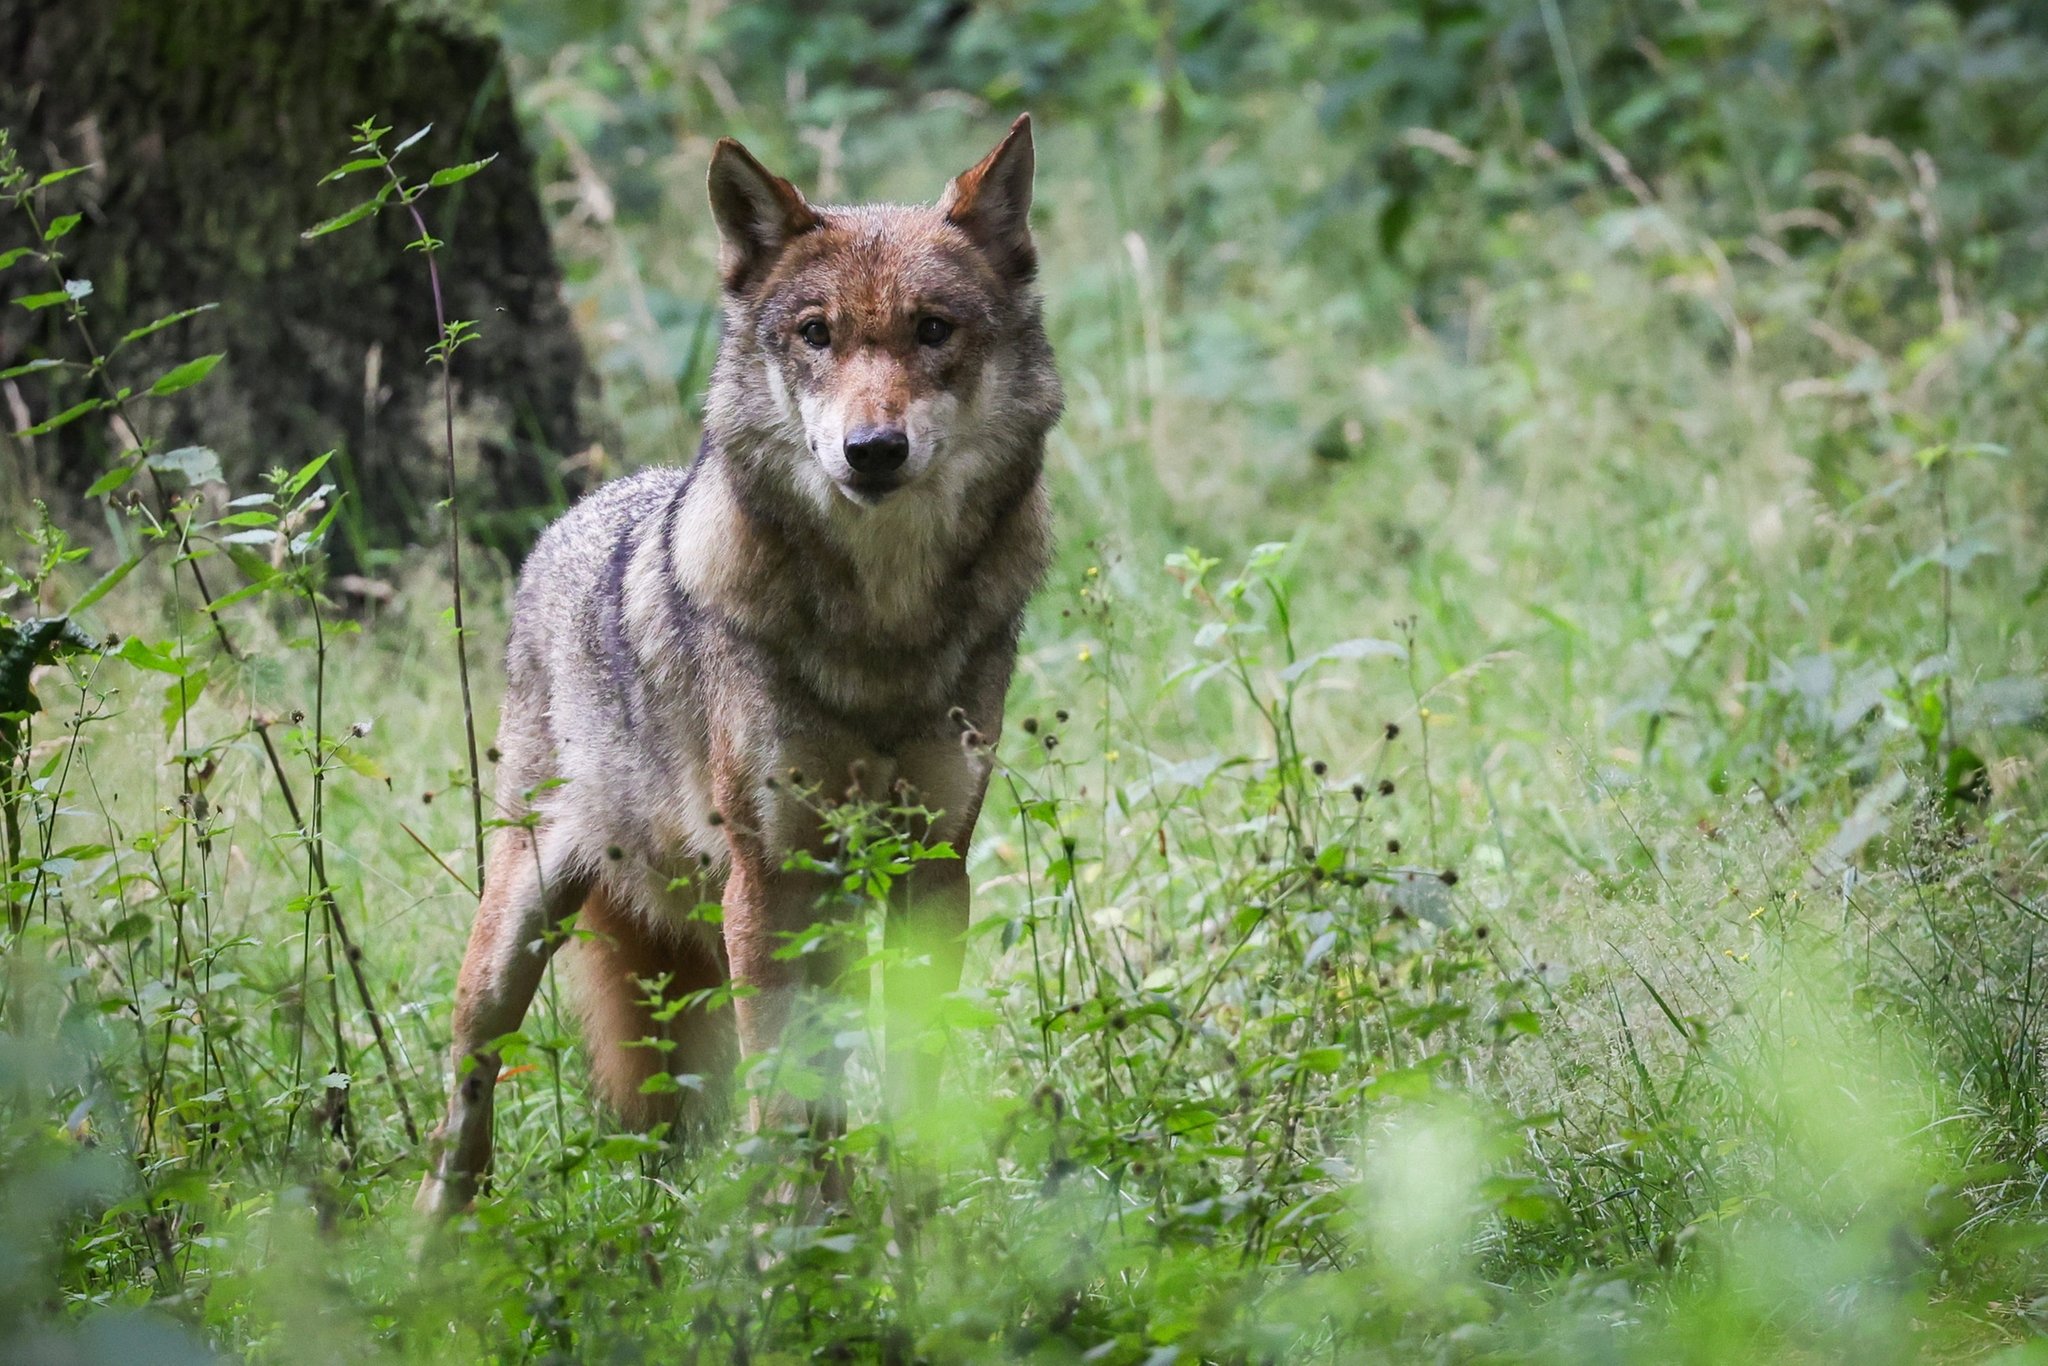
<point>991,203</point>
<point>758,213</point>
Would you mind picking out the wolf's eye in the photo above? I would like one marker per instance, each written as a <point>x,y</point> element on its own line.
<point>815,334</point>
<point>933,331</point>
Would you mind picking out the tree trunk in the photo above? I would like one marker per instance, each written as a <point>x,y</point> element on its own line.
<point>208,125</point>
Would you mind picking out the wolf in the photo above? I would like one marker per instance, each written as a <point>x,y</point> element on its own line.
<point>830,593</point>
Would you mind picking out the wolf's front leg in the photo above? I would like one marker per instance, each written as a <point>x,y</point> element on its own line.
<point>924,946</point>
<point>924,935</point>
<point>526,896</point>
<point>784,1008</point>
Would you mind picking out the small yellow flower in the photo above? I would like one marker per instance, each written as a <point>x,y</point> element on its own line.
<point>1425,713</point>
<point>1755,913</point>
<point>1113,755</point>
<point>1093,571</point>
<point>1085,655</point>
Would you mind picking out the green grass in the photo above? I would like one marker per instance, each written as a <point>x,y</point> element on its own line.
<point>1721,1043</point>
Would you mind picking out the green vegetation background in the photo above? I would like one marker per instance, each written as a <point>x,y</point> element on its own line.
<point>1590,449</point>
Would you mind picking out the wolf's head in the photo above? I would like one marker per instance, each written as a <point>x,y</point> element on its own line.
<point>878,350</point>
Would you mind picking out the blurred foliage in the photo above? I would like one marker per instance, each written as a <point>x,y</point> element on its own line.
<point>1750,109</point>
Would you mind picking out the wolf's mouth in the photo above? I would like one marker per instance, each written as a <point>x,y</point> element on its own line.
<point>868,490</point>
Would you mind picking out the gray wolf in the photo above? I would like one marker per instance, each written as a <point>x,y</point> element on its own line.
<point>832,588</point>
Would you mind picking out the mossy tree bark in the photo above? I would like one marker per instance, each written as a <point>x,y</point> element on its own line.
<point>208,125</point>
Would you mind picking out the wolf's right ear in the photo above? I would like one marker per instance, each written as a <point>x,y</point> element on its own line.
<point>757,212</point>
<point>991,202</point>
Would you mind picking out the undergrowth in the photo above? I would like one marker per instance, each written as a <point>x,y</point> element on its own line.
<point>1576,894</point>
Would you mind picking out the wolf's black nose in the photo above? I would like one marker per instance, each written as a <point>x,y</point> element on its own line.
<point>876,450</point>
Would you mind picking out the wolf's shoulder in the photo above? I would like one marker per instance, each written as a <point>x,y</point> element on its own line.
<point>613,508</point>
<point>577,557</point>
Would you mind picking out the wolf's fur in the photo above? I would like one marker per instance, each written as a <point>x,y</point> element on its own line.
<point>684,638</point>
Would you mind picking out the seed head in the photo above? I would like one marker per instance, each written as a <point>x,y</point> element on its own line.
<point>1393,730</point>
<point>1319,768</point>
<point>1031,725</point>
<point>1358,792</point>
<point>1386,787</point>
<point>1449,877</point>
<point>1393,846</point>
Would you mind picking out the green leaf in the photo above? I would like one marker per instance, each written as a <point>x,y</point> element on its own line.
<point>37,302</point>
<point>289,489</point>
<point>161,323</point>
<point>311,537</point>
<point>138,652</point>
<point>350,168</point>
<point>54,177</point>
<point>414,138</point>
<point>180,697</point>
<point>106,583</point>
<point>111,480</point>
<point>59,227</point>
<point>63,419</point>
<point>242,594</point>
<point>1325,1060</point>
<point>627,1147</point>
<point>455,175</point>
<point>126,928</point>
<point>1965,778</point>
<point>193,464</point>
<point>32,367</point>
<point>186,375</point>
<point>8,258</point>
<point>344,220</point>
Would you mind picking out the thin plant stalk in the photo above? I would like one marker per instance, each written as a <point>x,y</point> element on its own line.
<point>444,353</point>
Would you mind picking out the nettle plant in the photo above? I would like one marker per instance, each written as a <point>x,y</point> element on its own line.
<point>128,910</point>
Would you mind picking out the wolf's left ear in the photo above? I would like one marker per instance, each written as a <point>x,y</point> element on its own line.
<point>757,212</point>
<point>991,203</point>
